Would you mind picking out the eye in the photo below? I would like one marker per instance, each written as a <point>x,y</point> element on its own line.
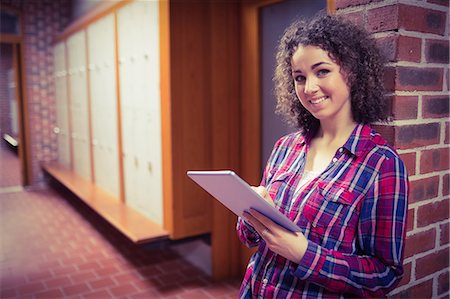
<point>299,79</point>
<point>322,72</point>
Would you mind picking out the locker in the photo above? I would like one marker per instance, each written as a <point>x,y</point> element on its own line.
<point>62,112</point>
<point>103,96</point>
<point>79,105</point>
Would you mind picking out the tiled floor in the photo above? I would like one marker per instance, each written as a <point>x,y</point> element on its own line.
<point>9,166</point>
<point>55,247</point>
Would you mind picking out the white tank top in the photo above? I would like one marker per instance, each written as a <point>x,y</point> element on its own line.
<point>307,177</point>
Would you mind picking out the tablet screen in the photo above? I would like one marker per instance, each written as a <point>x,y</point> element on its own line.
<point>233,192</point>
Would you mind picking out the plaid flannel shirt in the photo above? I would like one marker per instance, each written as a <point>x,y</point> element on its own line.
<point>353,215</point>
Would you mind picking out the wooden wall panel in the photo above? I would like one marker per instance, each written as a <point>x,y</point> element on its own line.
<point>224,70</point>
<point>102,76</point>
<point>79,108</point>
<point>62,109</point>
<point>190,114</point>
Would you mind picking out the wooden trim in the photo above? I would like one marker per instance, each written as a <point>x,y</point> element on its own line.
<point>331,7</point>
<point>89,106</point>
<point>10,38</point>
<point>27,165</point>
<point>131,223</point>
<point>17,95</point>
<point>119,116</point>
<point>166,114</point>
<point>24,149</point>
<point>102,9</point>
<point>250,105</point>
<point>69,104</point>
<point>250,94</point>
<point>24,129</point>
<point>225,121</point>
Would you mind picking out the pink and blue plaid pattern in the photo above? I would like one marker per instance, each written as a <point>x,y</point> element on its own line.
<point>353,214</point>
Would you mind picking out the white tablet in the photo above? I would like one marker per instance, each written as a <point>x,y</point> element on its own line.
<point>233,192</point>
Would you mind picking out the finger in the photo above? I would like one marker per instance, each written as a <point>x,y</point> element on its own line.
<point>273,227</point>
<point>260,228</point>
<point>261,191</point>
<point>264,220</point>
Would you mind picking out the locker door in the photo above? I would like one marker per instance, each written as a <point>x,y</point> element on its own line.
<point>138,27</point>
<point>150,150</point>
<point>102,75</point>
<point>62,112</point>
<point>79,105</point>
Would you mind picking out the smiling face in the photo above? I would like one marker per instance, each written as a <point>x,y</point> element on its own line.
<point>321,85</point>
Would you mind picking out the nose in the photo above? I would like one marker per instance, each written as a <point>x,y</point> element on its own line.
<point>311,86</point>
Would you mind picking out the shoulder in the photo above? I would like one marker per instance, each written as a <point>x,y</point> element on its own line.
<point>382,146</point>
<point>287,146</point>
<point>390,158</point>
<point>289,140</point>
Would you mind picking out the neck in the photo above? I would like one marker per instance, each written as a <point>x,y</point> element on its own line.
<point>335,131</point>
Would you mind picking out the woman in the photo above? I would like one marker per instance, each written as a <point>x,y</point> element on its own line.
<point>336,178</point>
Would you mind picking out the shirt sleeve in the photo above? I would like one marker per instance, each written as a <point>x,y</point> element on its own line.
<point>381,236</point>
<point>247,234</point>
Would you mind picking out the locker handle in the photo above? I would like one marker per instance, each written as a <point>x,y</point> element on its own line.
<point>150,167</point>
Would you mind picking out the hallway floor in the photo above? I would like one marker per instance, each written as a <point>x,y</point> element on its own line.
<point>9,166</point>
<point>56,247</point>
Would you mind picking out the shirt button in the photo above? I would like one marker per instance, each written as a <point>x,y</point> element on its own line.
<point>341,150</point>
<point>334,160</point>
<point>265,280</point>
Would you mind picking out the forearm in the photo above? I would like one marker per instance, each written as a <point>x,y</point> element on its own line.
<point>364,276</point>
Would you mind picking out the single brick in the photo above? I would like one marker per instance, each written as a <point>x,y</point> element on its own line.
<point>418,78</point>
<point>410,162</point>
<point>432,263</point>
<point>432,212</point>
<point>405,107</point>
<point>437,51</point>
<point>443,283</point>
<point>434,160</point>
<point>439,2</point>
<point>420,242</point>
<point>421,290</point>
<point>426,20</point>
<point>436,106</point>
<point>445,184</point>
<point>409,49</point>
<point>411,136</point>
<point>444,236</point>
<point>422,189</point>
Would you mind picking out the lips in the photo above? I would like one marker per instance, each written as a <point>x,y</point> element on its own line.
<point>318,100</point>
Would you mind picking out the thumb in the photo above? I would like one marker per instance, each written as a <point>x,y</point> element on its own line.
<point>262,191</point>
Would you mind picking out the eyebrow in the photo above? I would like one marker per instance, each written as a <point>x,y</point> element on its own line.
<point>313,66</point>
<point>318,64</point>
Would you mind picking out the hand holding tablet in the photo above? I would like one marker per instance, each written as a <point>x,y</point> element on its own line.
<point>233,192</point>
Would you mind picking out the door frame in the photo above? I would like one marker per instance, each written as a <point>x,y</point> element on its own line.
<point>251,105</point>
<point>24,150</point>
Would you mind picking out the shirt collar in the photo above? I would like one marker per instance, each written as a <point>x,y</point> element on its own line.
<point>355,144</point>
<point>359,139</point>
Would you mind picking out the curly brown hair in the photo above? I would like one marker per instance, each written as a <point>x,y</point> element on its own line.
<point>352,48</point>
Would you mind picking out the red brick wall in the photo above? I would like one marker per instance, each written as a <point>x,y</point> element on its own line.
<point>415,39</point>
<point>42,21</point>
